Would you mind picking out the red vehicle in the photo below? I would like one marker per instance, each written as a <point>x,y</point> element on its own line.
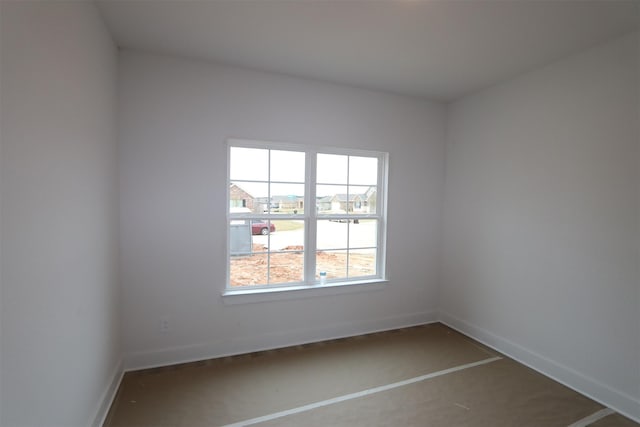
<point>261,227</point>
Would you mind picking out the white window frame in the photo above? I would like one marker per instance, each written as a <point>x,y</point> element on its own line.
<point>310,218</point>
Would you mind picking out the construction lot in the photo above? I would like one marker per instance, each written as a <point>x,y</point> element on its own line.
<point>285,263</point>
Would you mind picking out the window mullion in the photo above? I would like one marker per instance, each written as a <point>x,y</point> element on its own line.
<point>311,224</point>
<point>381,213</point>
<point>348,221</point>
<point>268,220</point>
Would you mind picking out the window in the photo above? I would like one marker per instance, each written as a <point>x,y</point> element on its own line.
<point>295,212</point>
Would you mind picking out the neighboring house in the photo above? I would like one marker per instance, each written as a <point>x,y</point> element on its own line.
<point>261,204</point>
<point>370,198</point>
<point>357,203</point>
<point>287,203</point>
<point>238,198</point>
<point>353,204</point>
<point>324,204</point>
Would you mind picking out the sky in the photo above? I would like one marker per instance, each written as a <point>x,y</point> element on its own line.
<point>287,168</point>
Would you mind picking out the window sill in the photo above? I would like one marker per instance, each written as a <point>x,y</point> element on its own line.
<point>248,296</point>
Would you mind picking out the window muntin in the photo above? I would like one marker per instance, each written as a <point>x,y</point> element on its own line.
<point>273,184</point>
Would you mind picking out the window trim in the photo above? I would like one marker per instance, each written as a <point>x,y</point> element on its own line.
<point>310,218</point>
<point>247,295</point>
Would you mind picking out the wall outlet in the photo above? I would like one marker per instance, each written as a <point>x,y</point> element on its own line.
<point>164,326</point>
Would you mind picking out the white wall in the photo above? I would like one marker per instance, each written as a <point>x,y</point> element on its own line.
<point>60,291</point>
<point>541,220</point>
<point>175,118</point>
<point>638,190</point>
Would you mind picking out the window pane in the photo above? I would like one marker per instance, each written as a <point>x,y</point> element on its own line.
<point>363,233</point>
<point>261,230</point>
<point>286,244</point>
<point>251,164</point>
<point>248,270</point>
<point>287,198</point>
<point>333,262</point>
<point>332,169</point>
<point>285,236</point>
<point>287,166</point>
<point>359,198</point>
<point>287,267</point>
<point>362,263</point>
<point>332,234</point>
<point>363,170</point>
<point>248,197</point>
<point>330,199</point>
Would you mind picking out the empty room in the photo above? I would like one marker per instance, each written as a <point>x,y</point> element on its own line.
<point>319,213</point>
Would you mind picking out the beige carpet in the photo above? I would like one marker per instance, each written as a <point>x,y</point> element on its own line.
<point>235,389</point>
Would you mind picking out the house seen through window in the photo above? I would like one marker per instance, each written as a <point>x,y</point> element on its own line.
<point>297,212</point>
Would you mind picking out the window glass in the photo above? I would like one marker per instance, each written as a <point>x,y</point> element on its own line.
<point>363,170</point>
<point>287,166</point>
<point>330,199</point>
<point>248,197</point>
<point>332,234</point>
<point>332,169</point>
<point>334,263</point>
<point>287,199</point>
<point>362,263</point>
<point>363,233</point>
<point>250,164</point>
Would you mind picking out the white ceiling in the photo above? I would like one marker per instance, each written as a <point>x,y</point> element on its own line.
<point>436,49</point>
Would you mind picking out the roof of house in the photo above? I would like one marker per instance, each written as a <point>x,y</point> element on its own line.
<point>285,199</point>
<point>233,184</point>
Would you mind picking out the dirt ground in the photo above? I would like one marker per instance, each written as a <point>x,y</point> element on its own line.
<point>288,267</point>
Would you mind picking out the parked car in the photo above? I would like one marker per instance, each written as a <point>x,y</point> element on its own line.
<point>261,227</point>
<point>340,212</point>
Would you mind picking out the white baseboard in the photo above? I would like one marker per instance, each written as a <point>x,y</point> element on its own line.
<point>241,345</point>
<point>108,396</point>
<point>620,402</point>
